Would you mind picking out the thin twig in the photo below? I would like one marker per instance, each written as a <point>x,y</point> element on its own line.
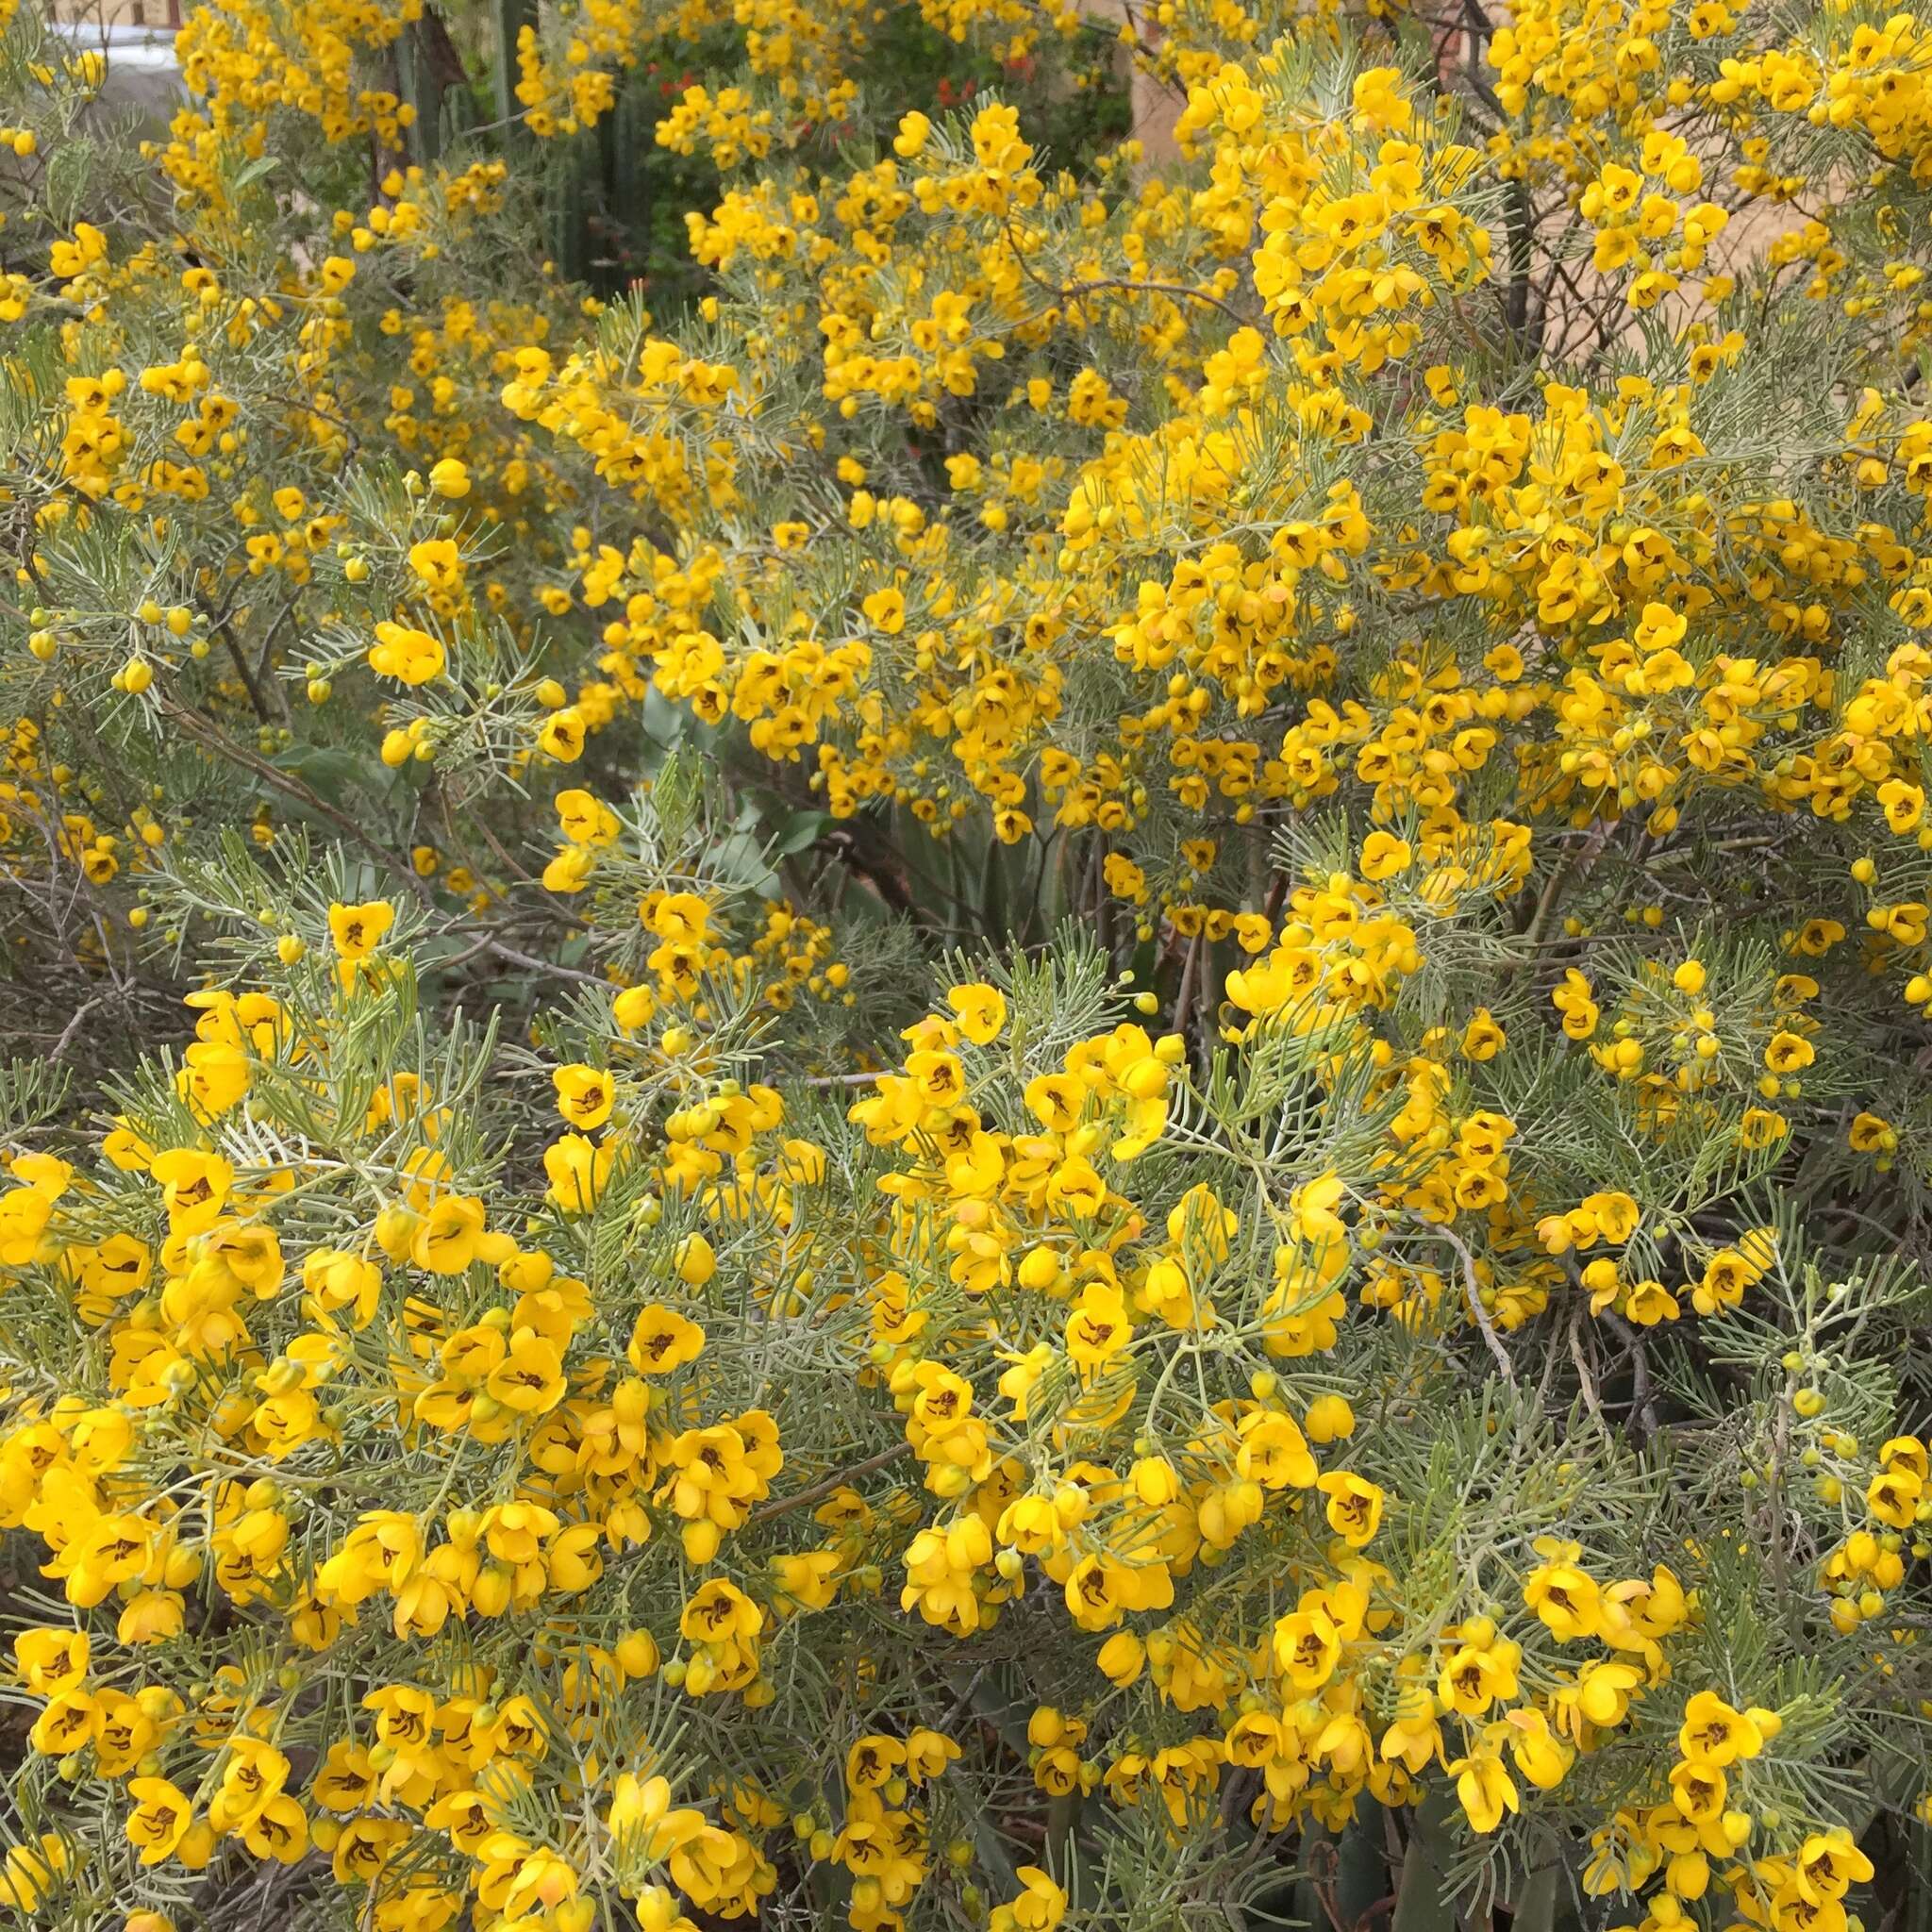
<point>73,1027</point>
<point>832,1483</point>
<point>1474,1294</point>
<point>1074,292</point>
<point>1586,1381</point>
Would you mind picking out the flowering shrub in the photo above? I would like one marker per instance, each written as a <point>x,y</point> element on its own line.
<point>1069,1070</point>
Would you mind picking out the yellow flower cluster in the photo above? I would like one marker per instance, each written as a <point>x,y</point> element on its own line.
<point>1063,1067</point>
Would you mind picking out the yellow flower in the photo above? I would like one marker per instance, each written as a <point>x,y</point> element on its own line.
<point>1714,1734</point>
<point>1306,1649</point>
<point>31,1871</point>
<point>1355,1507</point>
<point>194,1186</point>
<point>886,610</point>
<point>1476,1675</point>
<point>1565,1596</point>
<point>252,1775</point>
<point>579,1170</point>
<point>530,1379</point>
<point>438,563</point>
<point>1830,1863</point>
<point>1483,1038</point>
<point>402,652</point>
<point>981,1011</point>
<point>1274,1452</point>
<point>65,1723</point>
<point>159,1819</point>
<point>562,736</point>
<point>1485,1789</point>
<point>50,1661</point>
<point>450,1236</point>
<point>1098,1327</point>
<point>584,1095</point>
<point>1604,1691</point>
<point>1697,1789</point>
<point>661,1340</point>
<point>1040,1905</point>
<point>1384,856</point>
<point>358,930</point>
<point>1541,1756</point>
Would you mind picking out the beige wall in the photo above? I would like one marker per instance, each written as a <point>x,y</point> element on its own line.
<point>151,13</point>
